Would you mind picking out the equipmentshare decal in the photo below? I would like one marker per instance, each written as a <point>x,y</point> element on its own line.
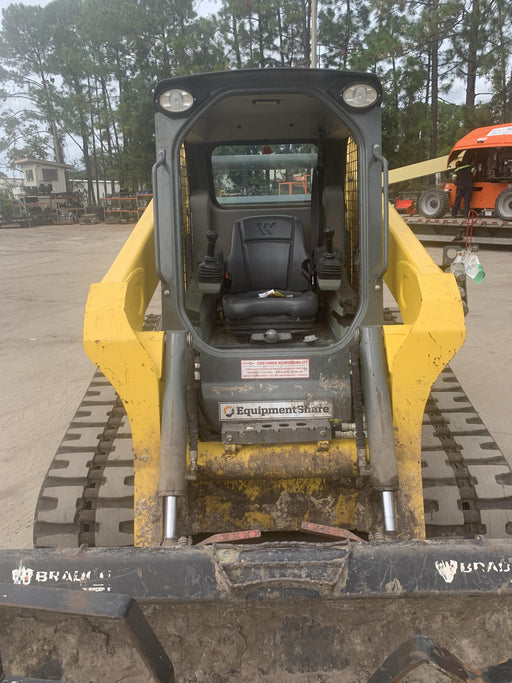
<point>261,410</point>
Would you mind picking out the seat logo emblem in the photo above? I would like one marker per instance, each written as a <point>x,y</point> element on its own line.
<point>266,228</point>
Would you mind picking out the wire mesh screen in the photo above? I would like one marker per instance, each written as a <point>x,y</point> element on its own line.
<point>185,216</point>
<point>352,212</point>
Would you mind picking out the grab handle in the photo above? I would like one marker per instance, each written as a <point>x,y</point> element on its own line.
<point>384,163</point>
<point>156,166</point>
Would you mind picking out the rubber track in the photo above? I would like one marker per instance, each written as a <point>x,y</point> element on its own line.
<point>467,482</point>
<point>87,496</point>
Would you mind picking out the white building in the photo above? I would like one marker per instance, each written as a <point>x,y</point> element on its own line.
<point>47,173</point>
<point>101,188</point>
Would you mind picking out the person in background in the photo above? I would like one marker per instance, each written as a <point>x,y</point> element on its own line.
<point>463,179</point>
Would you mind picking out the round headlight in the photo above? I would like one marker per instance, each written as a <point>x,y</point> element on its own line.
<point>176,101</point>
<point>360,95</point>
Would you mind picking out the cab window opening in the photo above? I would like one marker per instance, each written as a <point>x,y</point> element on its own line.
<point>273,173</point>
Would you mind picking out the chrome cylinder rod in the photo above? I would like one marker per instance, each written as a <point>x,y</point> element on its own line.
<point>388,509</point>
<point>170,518</point>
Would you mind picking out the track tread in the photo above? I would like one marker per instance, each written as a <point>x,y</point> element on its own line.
<point>87,494</point>
<point>88,485</point>
<point>462,464</point>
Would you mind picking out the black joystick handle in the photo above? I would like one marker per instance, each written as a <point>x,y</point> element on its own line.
<point>211,236</point>
<point>329,236</point>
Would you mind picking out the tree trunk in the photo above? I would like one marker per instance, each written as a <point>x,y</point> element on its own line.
<point>261,34</point>
<point>472,42</point>
<point>236,40</point>
<point>306,32</point>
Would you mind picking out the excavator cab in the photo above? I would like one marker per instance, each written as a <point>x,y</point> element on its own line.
<point>271,251</point>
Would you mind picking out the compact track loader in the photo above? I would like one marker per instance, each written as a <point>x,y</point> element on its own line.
<point>243,494</point>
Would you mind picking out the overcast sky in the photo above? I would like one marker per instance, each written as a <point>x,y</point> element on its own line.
<point>6,3</point>
<point>202,7</point>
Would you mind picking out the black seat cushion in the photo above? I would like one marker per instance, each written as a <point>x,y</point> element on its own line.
<point>294,304</point>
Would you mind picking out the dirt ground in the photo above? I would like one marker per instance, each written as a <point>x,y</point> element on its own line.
<point>45,273</point>
<point>484,364</point>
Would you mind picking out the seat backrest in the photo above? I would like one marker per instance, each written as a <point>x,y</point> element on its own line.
<point>268,252</point>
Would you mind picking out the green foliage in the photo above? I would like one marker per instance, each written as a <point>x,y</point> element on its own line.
<point>5,202</point>
<point>84,70</point>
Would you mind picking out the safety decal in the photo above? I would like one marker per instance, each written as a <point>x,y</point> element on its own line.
<point>285,368</point>
<point>504,130</point>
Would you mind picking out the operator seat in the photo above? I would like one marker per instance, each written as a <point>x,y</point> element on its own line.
<point>268,257</point>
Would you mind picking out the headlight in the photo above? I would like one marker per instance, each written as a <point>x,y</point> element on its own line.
<point>360,95</point>
<point>176,101</point>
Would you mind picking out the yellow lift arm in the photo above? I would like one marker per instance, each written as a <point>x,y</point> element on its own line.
<point>397,175</point>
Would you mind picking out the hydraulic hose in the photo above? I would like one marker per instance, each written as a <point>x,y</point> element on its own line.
<point>191,402</point>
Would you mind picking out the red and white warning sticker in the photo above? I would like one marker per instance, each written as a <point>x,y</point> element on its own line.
<point>285,368</point>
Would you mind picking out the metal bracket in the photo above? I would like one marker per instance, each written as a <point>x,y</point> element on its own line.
<point>284,568</point>
<point>289,431</point>
<point>422,650</point>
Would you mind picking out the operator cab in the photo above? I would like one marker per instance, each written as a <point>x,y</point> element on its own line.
<point>266,192</point>
<point>270,246</point>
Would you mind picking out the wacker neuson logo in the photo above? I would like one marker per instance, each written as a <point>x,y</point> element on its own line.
<point>256,410</point>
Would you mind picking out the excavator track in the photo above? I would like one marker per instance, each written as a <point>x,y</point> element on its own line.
<point>87,495</point>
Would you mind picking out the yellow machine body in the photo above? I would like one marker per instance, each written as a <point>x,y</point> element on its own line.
<point>430,333</point>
